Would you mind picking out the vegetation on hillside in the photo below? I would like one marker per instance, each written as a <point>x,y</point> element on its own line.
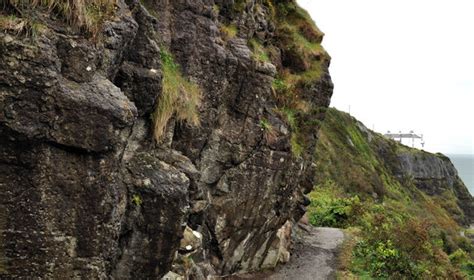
<point>23,16</point>
<point>398,231</point>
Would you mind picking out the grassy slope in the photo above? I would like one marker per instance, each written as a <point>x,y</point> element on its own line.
<point>356,186</point>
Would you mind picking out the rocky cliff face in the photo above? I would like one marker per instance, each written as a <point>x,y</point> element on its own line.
<point>87,192</point>
<point>435,175</point>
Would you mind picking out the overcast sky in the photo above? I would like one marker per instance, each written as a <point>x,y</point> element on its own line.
<point>403,65</point>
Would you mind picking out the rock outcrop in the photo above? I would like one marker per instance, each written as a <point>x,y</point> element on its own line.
<point>85,190</point>
<point>436,175</point>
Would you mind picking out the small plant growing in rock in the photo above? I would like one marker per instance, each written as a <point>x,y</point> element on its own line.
<point>265,124</point>
<point>179,97</point>
<point>259,51</point>
<point>268,130</point>
<point>15,25</point>
<point>228,31</point>
<point>279,85</point>
<point>290,115</point>
<point>215,9</point>
<point>137,200</point>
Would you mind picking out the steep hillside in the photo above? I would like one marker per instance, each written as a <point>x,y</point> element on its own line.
<point>392,193</point>
<point>139,137</point>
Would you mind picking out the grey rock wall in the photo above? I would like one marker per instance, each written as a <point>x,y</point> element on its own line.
<point>85,191</point>
<point>435,174</point>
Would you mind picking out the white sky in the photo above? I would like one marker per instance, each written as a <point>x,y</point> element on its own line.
<point>403,65</point>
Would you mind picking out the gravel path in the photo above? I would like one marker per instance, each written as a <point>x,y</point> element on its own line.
<point>313,258</point>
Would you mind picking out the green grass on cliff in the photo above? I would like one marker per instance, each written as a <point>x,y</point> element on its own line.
<point>300,39</point>
<point>303,62</point>
<point>179,97</point>
<point>16,25</point>
<point>400,232</point>
<point>228,31</point>
<point>259,51</point>
<point>86,14</point>
<point>295,49</point>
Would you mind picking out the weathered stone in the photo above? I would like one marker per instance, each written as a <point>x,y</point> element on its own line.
<point>435,175</point>
<point>155,214</point>
<point>192,240</point>
<point>64,210</point>
<point>86,192</point>
<point>172,276</point>
<point>141,85</point>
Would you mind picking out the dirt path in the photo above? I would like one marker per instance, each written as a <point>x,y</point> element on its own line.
<point>313,258</point>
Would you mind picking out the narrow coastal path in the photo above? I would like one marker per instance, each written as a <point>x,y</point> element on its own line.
<point>313,258</point>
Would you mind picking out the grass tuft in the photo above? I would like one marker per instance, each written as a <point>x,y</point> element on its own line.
<point>259,52</point>
<point>179,97</point>
<point>87,15</point>
<point>296,146</point>
<point>228,31</point>
<point>269,131</point>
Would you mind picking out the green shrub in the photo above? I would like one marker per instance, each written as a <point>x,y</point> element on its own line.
<point>458,257</point>
<point>468,269</point>
<point>328,211</point>
<point>383,260</point>
<point>406,249</point>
